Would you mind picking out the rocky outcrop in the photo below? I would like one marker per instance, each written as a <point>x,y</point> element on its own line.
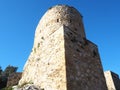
<point>27,87</point>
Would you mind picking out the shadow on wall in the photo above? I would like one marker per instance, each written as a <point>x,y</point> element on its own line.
<point>83,66</point>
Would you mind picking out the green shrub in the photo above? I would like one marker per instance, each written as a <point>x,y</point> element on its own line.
<point>7,88</point>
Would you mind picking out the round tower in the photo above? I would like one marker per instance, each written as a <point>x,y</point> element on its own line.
<point>57,16</point>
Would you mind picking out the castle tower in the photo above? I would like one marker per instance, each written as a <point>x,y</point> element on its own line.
<point>62,58</point>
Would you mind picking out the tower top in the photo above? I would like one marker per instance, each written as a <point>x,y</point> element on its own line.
<point>59,15</point>
<point>63,7</point>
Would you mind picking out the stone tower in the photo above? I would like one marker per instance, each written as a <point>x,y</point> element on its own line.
<point>62,58</point>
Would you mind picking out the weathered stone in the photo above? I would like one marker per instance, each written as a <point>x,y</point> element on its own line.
<point>62,58</point>
<point>27,87</point>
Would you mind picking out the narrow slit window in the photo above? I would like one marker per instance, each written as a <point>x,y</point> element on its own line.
<point>57,20</point>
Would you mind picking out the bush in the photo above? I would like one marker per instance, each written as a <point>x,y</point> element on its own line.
<point>7,88</point>
<point>4,76</point>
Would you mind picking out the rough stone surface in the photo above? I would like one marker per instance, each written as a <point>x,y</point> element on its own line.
<point>27,87</point>
<point>62,58</point>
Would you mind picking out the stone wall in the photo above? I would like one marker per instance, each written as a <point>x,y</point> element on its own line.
<point>112,80</point>
<point>62,58</point>
<point>83,66</point>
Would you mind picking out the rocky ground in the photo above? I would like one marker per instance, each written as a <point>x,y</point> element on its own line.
<point>27,87</point>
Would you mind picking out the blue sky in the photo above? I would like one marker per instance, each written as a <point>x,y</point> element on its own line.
<point>19,18</point>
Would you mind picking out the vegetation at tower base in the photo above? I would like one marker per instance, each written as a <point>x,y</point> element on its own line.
<point>62,58</point>
<point>5,77</point>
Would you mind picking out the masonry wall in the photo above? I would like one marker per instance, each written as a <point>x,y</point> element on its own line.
<point>62,58</point>
<point>83,66</point>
